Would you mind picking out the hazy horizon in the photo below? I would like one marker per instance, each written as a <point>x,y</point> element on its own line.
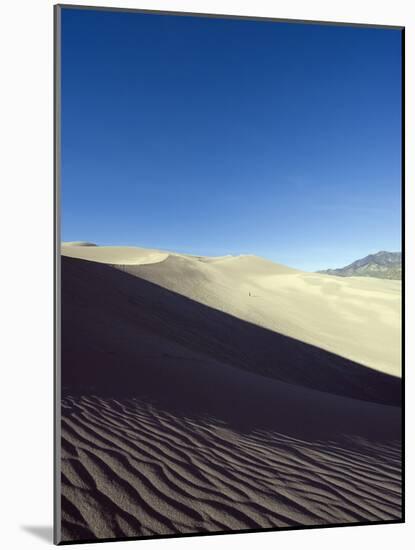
<point>213,137</point>
<point>195,253</point>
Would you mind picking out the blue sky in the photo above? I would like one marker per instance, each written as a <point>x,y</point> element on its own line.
<point>219,136</point>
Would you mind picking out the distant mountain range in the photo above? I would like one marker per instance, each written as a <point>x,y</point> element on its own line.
<point>383,265</point>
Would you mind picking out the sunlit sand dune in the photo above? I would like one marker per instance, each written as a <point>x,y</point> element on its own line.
<point>358,318</point>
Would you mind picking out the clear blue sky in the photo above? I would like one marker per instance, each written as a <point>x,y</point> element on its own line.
<point>217,136</point>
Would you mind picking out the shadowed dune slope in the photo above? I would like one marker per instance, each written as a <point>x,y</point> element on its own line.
<point>181,418</point>
<point>125,320</point>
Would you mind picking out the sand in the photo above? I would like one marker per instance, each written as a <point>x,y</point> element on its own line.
<point>132,469</point>
<point>190,405</point>
<point>117,255</point>
<point>356,317</point>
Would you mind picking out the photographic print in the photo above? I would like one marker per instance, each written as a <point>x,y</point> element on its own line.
<point>228,274</point>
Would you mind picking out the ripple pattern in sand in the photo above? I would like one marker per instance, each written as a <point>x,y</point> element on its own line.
<point>130,469</point>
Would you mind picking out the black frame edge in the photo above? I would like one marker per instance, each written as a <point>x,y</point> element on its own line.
<point>56,272</point>
<point>228,16</point>
<point>403,295</point>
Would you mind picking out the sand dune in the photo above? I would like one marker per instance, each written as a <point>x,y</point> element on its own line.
<point>353,317</point>
<point>181,417</point>
<point>112,255</point>
<point>113,320</point>
<point>358,319</point>
<point>77,243</point>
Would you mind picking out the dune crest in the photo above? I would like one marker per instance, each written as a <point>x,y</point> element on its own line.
<point>78,243</point>
<point>113,255</point>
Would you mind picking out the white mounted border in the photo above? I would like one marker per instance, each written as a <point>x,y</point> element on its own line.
<point>26,45</point>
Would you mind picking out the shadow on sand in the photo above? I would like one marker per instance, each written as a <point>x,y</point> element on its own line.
<point>154,382</point>
<point>120,331</point>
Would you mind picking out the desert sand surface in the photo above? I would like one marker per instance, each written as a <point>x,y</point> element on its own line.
<point>357,318</point>
<point>205,394</point>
